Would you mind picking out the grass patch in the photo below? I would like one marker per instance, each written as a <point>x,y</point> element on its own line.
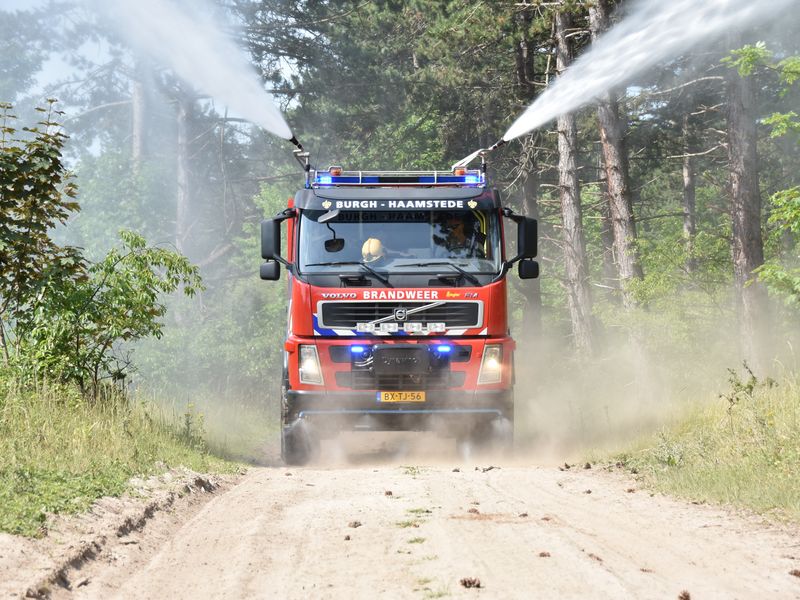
<point>416,540</point>
<point>407,524</point>
<point>419,511</point>
<point>60,452</point>
<point>742,449</point>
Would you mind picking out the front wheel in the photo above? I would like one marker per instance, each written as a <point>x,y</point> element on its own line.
<point>298,444</point>
<point>490,437</point>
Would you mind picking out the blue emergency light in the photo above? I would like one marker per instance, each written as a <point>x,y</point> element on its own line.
<point>357,349</point>
<point>336,177</point>
<point>444,349</point>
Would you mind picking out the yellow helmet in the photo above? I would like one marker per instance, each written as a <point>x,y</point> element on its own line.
<point>372,250</point>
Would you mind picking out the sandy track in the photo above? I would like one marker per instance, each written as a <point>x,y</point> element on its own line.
<point>523,531</point>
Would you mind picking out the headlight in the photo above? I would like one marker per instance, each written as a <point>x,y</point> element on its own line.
<point>310,371</point>
<point>492,364</point>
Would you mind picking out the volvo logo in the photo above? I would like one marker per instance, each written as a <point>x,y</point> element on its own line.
<point>401,314</point>
<point>400,361</point>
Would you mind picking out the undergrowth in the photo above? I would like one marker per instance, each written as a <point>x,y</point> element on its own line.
<point>59,452</point>
<point>743,448</point>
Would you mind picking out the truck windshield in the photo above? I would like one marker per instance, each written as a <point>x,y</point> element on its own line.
<point>400,240</point>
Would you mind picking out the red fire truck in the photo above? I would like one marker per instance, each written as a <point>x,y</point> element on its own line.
<point>397,310</point>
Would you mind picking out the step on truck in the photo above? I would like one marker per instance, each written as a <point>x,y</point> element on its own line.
<point>397,305</point>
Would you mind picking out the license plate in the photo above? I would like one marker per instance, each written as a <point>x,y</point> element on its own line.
<point>401,396</point>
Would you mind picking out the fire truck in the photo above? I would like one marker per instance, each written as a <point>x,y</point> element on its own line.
<point>397,305</point>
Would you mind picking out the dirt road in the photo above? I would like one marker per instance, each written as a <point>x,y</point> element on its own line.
<point>393,531</point>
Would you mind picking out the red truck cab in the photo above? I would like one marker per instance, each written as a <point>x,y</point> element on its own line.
<point>397,307</point>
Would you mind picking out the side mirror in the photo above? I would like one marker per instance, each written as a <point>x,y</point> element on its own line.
<point>270,271</point>
<point>334,245</point>
<point>528,269</point>
<point>527,238</point>
<point>270,239</point>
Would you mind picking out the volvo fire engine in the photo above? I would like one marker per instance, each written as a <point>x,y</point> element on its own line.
<point>397,305</point>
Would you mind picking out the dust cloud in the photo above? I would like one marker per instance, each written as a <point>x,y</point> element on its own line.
<point>567,408</point>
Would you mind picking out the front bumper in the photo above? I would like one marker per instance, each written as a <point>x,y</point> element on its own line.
<point>450,410</point>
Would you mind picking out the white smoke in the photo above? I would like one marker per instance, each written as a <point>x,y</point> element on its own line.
<point>654,30</point>
<point>186,38</point>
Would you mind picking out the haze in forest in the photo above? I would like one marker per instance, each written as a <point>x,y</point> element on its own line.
<point>652,31</point>
<point>389,89</point>
<point>188,38</point>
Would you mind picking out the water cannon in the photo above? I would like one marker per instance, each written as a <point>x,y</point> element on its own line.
<point>482,152</point>
<point>302,157</point>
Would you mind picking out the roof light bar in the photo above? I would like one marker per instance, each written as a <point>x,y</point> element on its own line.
<point>336,177</point>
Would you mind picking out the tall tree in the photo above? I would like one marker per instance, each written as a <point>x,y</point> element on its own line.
<point>615,160</point>
<point>689,196</point>
<point>576,281</point>
<point>747,245</point>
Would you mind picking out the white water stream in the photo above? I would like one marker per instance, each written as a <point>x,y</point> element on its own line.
<point>653,31</point>
<point>185,37</point>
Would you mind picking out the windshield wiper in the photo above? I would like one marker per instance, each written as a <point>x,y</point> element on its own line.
<point>344,263</point>
<point>465,274</point>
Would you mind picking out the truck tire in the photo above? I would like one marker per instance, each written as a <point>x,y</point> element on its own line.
<point>299,445</point>
<point>490,437</point>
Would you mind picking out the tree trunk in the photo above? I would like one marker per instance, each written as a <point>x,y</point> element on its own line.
<point>138,110</point>
<point>3,343</point>
<point>689,214</point>
<point>576,278</point>
<point>183,206</point>
<point>610,276</point>
<point>747,247</point>
<point>532,314</point>
<point>615,160</point>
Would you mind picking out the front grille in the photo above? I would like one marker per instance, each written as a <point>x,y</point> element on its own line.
<point>366,380</point>
<point>400,367</point>
<point>452,314</point>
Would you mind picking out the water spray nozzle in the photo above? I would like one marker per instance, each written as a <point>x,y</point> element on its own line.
<point>294,140</point>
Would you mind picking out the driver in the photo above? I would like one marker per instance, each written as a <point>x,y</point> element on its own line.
<point>462,236</point>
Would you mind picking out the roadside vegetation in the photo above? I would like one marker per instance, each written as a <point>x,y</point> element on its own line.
<point>743,448</point>
<point>70,431</point>
<point>60,451</point>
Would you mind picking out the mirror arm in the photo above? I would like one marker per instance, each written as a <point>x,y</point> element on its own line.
<point>517,218</point>
<point>287,213</point>
<point>284,262</point>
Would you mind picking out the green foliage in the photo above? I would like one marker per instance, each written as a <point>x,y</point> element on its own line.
<point>783,123</point>
<point>36,194</point>
<point>748,58</point>
<point>789,69</point>
<point>59,453</point>
<point>742,449</point>
<point>63,317</point>
<point>76,328</point>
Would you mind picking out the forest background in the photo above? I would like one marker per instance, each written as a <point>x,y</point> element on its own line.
<point>668,212</point>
